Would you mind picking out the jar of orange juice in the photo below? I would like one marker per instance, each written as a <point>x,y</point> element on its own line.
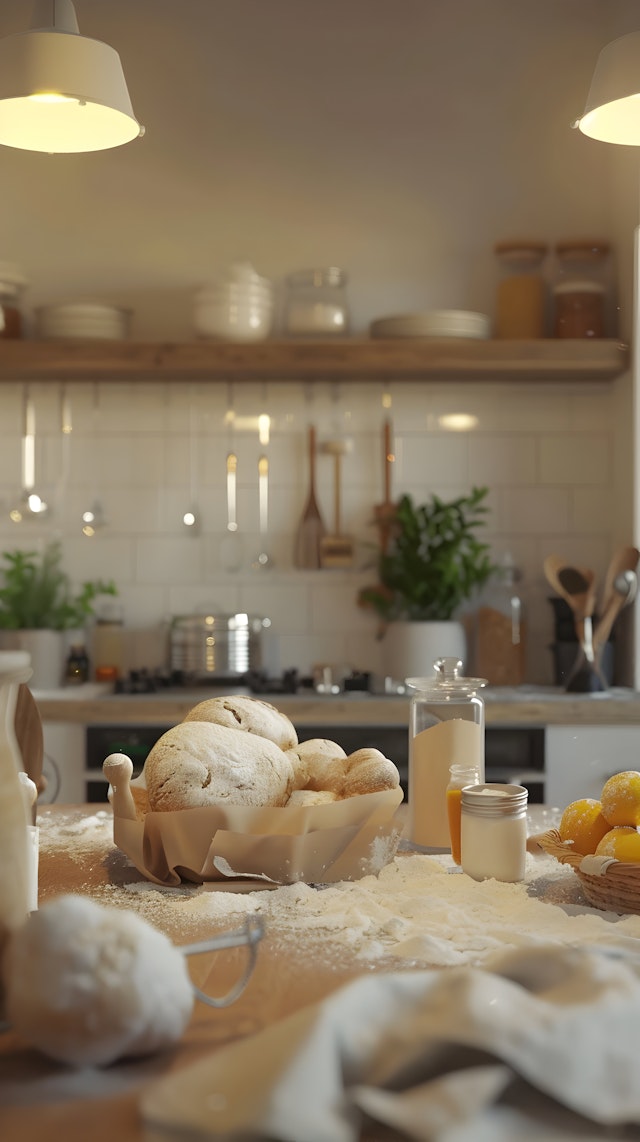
<point>459,777</point>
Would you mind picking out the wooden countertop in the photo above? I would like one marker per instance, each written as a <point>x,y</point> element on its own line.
<point>519,706</point>
<point>294,967</point>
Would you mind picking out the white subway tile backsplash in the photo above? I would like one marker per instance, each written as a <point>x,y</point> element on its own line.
<point>145,450</point>
<point>575,459</point>
<point>498,460</point>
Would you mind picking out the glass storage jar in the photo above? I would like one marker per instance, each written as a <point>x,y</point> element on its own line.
<point>583,290</point>
<point>316,303</point>
<point>446,727</point>
<point>493,832</point>
<point>500,629</point>
<point>522,291</point>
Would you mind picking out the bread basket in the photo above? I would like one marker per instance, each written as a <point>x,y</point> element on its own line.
<point>610,885</point>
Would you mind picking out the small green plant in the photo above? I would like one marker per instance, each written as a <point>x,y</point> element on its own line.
<point>37,594</point>
<point>435,561</point>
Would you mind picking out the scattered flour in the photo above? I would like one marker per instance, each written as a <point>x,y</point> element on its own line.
<point>420,909</point>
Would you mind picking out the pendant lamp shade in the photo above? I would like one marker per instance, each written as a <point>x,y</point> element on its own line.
<point>61,92</point>
<point>612,113</point>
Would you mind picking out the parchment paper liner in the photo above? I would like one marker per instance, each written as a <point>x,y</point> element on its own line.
<point>318,844</point>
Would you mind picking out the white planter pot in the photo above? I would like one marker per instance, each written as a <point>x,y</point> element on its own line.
<point>46,649</point>
<point>409,650</point>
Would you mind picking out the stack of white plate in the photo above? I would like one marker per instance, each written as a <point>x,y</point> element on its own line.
<point>434,323</point>
<point>239,308</point>
<point>82,319</point>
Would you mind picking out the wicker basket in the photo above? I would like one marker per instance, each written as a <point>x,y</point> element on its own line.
<point>617,890</point>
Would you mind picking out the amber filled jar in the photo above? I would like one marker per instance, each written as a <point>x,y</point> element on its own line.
<point>522,292</point>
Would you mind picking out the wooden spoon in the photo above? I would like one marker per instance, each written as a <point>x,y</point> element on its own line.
<point>576,585</point>
<point>311,530</point>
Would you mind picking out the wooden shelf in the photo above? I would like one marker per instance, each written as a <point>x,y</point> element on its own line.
<point>347,360</point>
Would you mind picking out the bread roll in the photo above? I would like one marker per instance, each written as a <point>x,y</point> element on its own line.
<point>310,759</point>
<point>240,712</point>
<point>365,771</point>
<point>200,763</point>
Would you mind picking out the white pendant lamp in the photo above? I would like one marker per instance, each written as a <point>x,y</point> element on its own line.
<point>61,92</point>
<point>612,113</point>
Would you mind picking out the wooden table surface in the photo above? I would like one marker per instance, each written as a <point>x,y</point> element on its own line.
<point>40,1099</point>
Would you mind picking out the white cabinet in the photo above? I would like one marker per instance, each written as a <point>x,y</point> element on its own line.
<point>63,764</point>
<point>579,759</point>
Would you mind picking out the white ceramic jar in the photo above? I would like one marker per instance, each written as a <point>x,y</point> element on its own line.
<point>493,831</point>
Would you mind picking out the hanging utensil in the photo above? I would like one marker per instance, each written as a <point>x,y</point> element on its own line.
<point>31,504</point>
<point>311,529</point>
<point>386,511</point>
<point>336,550</point>
<point>93,517</point>
<point>191,516</point>
<point>231,547</point>
<point>263,559</point>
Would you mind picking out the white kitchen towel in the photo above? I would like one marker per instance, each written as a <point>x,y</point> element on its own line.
<point>454,1055</point>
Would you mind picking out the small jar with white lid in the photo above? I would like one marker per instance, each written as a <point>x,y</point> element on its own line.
<point>316,303</point>
<point>446,727</point>
<point>493,831</point>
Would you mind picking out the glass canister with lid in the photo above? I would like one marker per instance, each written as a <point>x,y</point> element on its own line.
<point>521,297</point>
<point>316,303</point>
<point>446,727</point>
<point>583,297</point>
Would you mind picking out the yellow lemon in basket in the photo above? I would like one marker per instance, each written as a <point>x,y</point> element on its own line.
<point>621,842</point>
<point>620,798</point>
<point>583,823</point>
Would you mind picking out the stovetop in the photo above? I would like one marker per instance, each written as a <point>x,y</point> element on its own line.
<point>254,681</point>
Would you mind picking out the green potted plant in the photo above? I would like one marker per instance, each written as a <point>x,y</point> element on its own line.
<point>38,602</point>
<point>434,565</point>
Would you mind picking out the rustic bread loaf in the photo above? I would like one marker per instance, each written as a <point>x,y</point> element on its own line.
<point>241,712</point>
<point>196,764</point>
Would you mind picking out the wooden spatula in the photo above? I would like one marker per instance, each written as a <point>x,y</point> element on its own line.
<point>336,550</point>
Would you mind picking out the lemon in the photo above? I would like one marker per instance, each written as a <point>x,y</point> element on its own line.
<point>583,823</point>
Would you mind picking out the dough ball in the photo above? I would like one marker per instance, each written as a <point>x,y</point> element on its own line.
<point>310,759</point>
<point>252,715</point>
<point>196,764</point>
<point>88,984</point>
<point>310,797</point>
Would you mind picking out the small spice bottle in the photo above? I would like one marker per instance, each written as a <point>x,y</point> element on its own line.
<point>459,777</point>
<point>446,727</point>
<point>493,831</point>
